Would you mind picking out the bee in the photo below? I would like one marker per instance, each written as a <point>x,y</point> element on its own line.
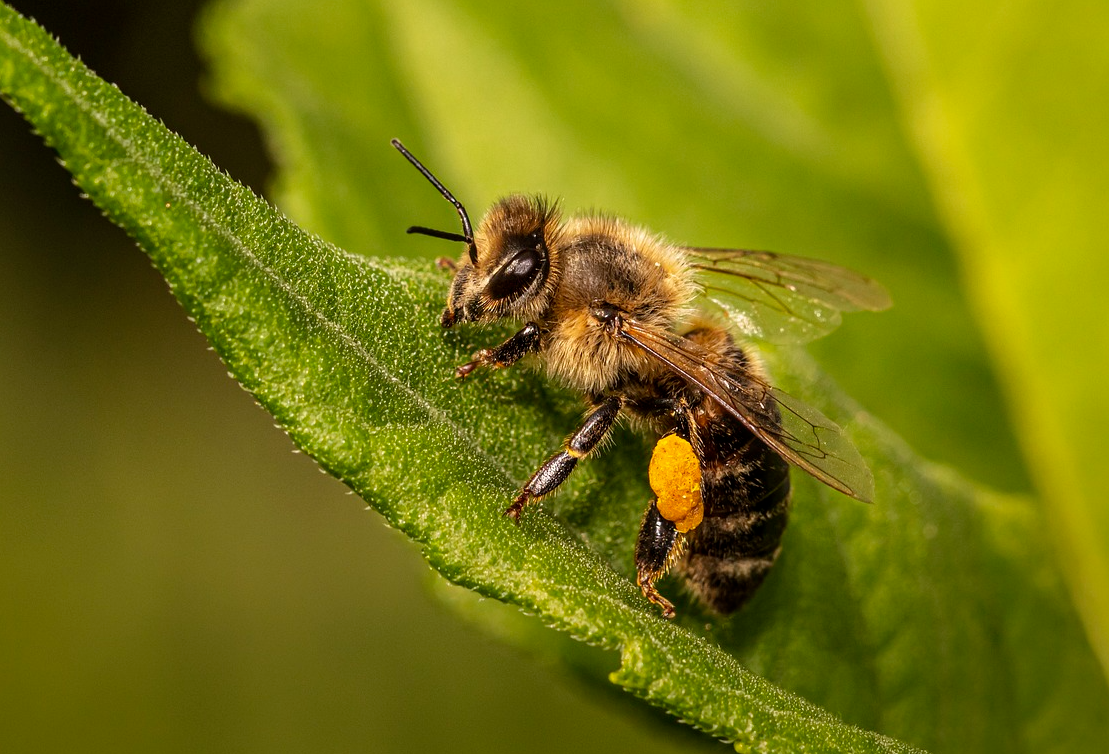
<point>643,329</point>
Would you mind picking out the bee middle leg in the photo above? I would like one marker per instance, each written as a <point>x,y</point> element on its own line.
<point>557,468</point>
<point>506,354</point>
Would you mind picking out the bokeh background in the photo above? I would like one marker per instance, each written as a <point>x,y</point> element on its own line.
<point>174,577</point>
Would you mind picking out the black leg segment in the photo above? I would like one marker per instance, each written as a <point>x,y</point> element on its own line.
<point>506,354</point>
<point>658,545</point>
<point>594,428</point>
<point>557,468</point>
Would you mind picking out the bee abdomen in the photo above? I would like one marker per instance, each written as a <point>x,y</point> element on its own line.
<point>735,546</point>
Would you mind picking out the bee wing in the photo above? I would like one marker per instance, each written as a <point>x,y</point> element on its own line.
<point>794,430</point>
<point>782,298</point>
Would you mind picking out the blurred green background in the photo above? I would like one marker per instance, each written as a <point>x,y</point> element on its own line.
<point>173,577</point>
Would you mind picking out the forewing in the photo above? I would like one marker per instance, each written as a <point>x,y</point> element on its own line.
<point>794,430</point>
<point>782,298</point>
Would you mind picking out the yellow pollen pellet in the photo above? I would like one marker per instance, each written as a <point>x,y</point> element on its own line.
<point>675,476</point>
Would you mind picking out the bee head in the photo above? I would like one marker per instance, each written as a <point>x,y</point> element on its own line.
<point>510,274</point>
<point>506,270</point>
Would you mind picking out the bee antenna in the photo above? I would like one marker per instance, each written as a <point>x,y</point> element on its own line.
<point>467,235</point>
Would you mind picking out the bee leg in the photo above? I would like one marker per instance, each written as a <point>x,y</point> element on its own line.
<point>506,354</point>
<point>658,546</point>
<point>557,468</point>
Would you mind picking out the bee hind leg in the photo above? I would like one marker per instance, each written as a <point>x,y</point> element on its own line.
<point>658,546</point>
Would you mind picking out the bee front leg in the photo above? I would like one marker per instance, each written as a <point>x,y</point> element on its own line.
<point>557,468</point>
<point>506,354</point>
<point>659,544</point>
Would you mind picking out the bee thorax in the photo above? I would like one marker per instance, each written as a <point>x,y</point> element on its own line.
<point>584,353</point>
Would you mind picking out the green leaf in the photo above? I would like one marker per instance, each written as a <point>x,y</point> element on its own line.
<point>912,616</point>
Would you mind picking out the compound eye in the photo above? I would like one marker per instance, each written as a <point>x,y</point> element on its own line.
<point>519,272</point>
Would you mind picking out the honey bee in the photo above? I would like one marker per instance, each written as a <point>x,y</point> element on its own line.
<point>627,318</point>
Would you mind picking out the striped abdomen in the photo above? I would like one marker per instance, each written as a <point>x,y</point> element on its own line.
<point>745,491</point>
